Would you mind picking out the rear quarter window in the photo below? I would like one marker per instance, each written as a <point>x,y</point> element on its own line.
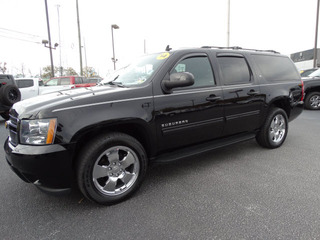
<point>276,68</point>
<point>78,80</point>
<point>64,81</point>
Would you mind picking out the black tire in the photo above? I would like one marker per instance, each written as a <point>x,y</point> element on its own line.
<point>275,129</point>
<point>312,101</point>
<point>9,94</point>
<point>5,115</point>
<point>111,168</point>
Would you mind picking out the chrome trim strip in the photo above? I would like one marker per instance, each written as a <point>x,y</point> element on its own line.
<point>240,115</point>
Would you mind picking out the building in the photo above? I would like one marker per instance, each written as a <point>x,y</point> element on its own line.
<point>304,60</point>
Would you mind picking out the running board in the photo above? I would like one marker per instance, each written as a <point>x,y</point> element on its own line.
<point>201,148</point>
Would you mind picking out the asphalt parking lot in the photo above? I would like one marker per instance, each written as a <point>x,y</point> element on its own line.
<point>238,192</point>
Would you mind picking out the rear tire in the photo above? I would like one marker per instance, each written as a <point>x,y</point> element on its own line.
<point>275,129</point>
<point>111,168</point>
<point>313,101</point>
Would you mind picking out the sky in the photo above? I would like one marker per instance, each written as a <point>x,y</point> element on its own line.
<point>287,26</point>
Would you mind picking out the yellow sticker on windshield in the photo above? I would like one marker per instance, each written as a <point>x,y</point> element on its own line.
<point>163,56</point>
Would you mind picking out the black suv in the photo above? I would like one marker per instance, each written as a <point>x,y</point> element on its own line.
<point>163,107</point>
<point>9,94</point>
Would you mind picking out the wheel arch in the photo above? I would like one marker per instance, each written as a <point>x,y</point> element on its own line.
<point>283,103</point>
<point>135,128</point>
<point>311,90</point>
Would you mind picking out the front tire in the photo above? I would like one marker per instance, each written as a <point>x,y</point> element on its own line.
<point>111,168</point>
<point>313,101</point>
<point>275,129</point>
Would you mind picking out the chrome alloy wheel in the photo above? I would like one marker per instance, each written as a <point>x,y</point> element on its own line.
<point>115,170</point>
<point>315,101</point>
<point>277,129</point>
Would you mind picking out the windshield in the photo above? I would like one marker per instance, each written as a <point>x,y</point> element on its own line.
<point>138,72</point>
<point>315,73</point>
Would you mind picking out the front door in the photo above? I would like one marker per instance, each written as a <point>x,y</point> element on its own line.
<point>190,114</point>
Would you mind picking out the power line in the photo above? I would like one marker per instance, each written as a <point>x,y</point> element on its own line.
<point>10,30</point>
<point>21,39</point>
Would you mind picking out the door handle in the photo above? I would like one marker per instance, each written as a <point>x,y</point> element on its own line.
<point>252,93</point>
<point>213,98</point>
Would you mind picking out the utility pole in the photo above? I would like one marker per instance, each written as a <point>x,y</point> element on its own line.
<point>315,58</point>
<point>60,68</point>
<point>85,55</point>
<point>49,38</point>
<point>228,31</point>
<point>79,36</point>
<point>114,26</point>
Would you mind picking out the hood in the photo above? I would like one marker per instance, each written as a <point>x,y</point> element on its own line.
<point>310,78</point>
<point>31,107</point>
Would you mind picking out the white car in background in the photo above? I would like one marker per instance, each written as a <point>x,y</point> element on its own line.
<point>31,87</point>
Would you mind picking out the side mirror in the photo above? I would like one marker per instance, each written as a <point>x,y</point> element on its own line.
<point>181,79</point>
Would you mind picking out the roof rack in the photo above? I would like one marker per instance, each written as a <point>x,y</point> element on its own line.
<point>240,48</point>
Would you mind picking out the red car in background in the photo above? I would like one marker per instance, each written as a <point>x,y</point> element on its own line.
<point>72,81</point>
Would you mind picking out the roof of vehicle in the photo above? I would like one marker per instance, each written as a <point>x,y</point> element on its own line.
<point>66,76</point>
<point>28,78</point>
<point>231,49</point>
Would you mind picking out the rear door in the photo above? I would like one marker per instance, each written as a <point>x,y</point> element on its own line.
<point>241,93</point>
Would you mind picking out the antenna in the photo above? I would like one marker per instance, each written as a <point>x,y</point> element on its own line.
<point>168,48</point>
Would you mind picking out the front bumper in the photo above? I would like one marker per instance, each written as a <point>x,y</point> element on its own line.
<point>49,165</point>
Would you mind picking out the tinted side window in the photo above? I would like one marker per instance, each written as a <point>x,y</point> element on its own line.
<point>234,70</point>
<point>52,82</point>
<point>24,83</point>
<point>78,80</point>
<point>200,68</point>
<point>64,81</point>
<point>276,68</point>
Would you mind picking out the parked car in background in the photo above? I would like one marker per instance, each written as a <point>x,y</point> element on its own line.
<point>70,82</point>
<point>95,80</point>
<point>312,90</point>
<point>29,87</point>
<point>9,94</point>
<point>305,73</point>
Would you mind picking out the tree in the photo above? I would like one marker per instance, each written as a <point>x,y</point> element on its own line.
<point>3,67</point>
<point>89,72</point>
<point>69,71</point>
<point>46,72</point>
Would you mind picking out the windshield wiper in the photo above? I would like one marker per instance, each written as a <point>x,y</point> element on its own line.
<point>119,84</point>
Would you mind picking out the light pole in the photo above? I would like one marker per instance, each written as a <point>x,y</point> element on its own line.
<point>315,56</point>
<point>60,68</point>
<point>79,36</point>
<point>114,26</point>
<point>228,31</point>
<point>49,37</point>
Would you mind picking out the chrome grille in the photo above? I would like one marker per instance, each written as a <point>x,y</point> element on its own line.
<point>13,130</point>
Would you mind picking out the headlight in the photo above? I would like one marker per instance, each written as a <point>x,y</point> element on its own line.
<point>38,132</point>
